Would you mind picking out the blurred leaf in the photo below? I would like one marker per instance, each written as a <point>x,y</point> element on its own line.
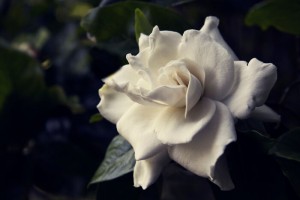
<point>96,118</point>
<point>288,146</point>
<point>282,14</point>
<point>116,20</point>
<point>22,73</point>
<point>57,94</point>
<point>25,99</point>
<point>291,169</point>
<point>80,9</point>
<point>142,25</point>
<point>119,160</point>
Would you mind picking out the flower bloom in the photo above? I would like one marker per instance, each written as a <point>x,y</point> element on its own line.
<point>178,98</point>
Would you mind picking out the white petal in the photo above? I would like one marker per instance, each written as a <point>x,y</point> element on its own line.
<point>264,113</point>
<point>202,153</point>
<point>143,42</point>
<point>113,104</point>
<point>123,76</point>
<point>137,127</point>
<point>211,28</point>
<point>112,99</point>
<point>213,58</point>
<point>193,93</point>
<point>163,47</point>
<point>160,48</point>
<point>168,95</point>
<point>147,171</point>
<point>172,127</point>
<point>186,73</point>
<point>253,84</point>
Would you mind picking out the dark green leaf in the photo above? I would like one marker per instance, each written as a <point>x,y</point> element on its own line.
<point>116,20</point>
<point>288,146</point>
<point>119,160</point>
<point>282,14</point>
<point>142,25</point>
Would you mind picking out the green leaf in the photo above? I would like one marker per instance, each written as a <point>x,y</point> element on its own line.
<point>119,160</point>
<point>284,15</point>
<point>288,146</point>
<point>95,118</point>
<point>142,25</point>
<point>116,20</point>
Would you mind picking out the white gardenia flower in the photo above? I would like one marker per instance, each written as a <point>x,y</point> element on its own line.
<point>178,98</point>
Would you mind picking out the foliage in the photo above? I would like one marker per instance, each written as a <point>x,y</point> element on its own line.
<point>284,15</point>
<point>118,160</point>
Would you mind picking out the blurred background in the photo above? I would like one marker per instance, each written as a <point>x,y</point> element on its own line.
<point>51,138</point>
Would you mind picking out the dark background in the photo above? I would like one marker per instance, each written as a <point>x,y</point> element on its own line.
<point>51,150</point>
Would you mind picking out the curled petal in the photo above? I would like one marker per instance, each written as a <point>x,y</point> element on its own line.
<point>213,58</point>
<point>200,156</point>
<point>186,73</point>
<point>147,171</point>
<point>168,95</point>
<point>160,96</point>
<point>137,127</point>
<point>210,27</point>
<point>172,127</point>
<point>253,84</point>
<point>193,94</point>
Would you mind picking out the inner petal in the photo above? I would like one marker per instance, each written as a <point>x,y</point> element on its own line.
<point>177,72</point>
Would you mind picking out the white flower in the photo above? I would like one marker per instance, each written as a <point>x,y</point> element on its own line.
<point>178,99</point>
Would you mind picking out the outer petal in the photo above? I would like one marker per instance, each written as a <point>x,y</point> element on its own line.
<point>210,27</point>
<point>172,127</point>
<point>124,75</point>
<point>147,171</point>
<point>202,153</point>
<point>113,104</point>
<point>265,113</point>
<point>253,84</point>
<point>213,58</point>
<point>112,99</point>
<point>137,127</point>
